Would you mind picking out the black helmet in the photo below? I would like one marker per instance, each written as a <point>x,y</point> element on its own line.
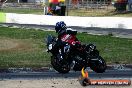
<point>60,26</point>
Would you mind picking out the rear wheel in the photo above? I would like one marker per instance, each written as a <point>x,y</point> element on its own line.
<point>61,68</point>
<point>98,64</point>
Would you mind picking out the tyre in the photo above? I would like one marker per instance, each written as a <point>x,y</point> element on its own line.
<point>65,68</point>
<point>99,65</point>
<point>84,82</point>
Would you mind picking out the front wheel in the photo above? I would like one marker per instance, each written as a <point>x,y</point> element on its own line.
<point>61,68</point>
<point>98,64</point>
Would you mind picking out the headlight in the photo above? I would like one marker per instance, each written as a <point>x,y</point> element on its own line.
<point>50,47</point>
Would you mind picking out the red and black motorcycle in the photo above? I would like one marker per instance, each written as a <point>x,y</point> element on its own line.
<point>66,56</point>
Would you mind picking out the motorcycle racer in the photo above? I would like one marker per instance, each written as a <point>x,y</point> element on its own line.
<point>66,37</point>
<point>65,34</point>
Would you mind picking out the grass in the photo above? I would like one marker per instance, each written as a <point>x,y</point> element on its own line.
<point>29,51</point>
<point>98,13</point>
<point>112,49</point>
<point>26,48</point>
<point>107,11</point>
<point>22,10</point>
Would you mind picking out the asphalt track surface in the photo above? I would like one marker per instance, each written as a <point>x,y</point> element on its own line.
<point>116,32</point>
<point>71,74</point>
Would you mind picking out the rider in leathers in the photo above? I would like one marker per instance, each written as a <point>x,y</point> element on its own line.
<point>66,38</point>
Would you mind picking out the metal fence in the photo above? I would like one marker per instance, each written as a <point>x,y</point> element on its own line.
<point>90,8</point>
<point>79,8</point>
<point>89,4</point>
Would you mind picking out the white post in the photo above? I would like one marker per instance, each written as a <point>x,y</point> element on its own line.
<point>45,7</point>
<point>18,1</point>
<point>45,10</point>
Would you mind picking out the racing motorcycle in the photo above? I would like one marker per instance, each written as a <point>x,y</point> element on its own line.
<point>65,57</point>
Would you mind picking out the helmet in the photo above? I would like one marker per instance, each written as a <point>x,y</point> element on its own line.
<point>60,26</point>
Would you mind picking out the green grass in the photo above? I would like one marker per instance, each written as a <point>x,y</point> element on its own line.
<point>111,48</point>
<point>30,47</point>
<point>98,13</point>
<point>22,10</point>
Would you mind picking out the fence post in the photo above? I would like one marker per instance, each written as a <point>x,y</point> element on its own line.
<point>45,10</point>
<point>67,6</point>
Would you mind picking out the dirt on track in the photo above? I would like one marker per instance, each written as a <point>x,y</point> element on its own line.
<point>49,83</point>
<point>7,44</point>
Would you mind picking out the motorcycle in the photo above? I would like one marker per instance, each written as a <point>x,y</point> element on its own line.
<point>64,58</point>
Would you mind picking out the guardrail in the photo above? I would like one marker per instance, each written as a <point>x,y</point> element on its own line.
<point>103,22</point>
